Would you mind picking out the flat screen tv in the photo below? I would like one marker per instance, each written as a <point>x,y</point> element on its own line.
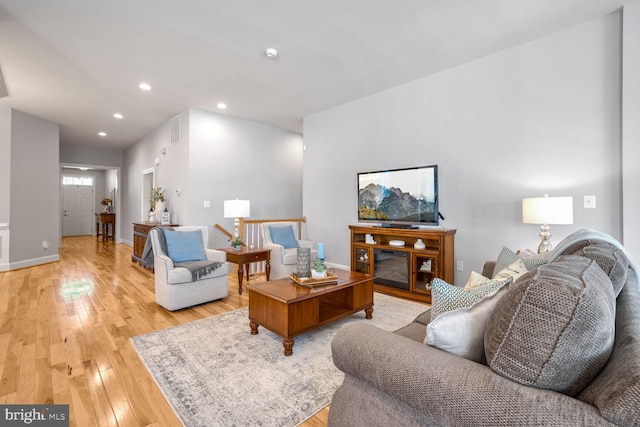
<point>399,197</point>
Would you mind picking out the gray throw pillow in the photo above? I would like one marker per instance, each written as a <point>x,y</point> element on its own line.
<point>554,328</point>
<point>613,261</point>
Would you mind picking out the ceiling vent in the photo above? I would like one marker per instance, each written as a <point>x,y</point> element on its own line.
<point>175,130</point>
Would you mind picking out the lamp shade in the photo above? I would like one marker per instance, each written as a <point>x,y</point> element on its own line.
<point>237,208</point>
<point>547,210</point>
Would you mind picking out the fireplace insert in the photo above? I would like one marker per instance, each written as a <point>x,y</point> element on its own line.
<point>391,268</point>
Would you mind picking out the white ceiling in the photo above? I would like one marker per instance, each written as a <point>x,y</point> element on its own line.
<point>76,62</point>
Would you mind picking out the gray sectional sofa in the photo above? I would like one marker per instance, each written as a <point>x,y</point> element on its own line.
<point>562,348</point>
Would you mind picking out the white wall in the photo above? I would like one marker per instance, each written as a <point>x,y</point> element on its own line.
<point>81,155</point>
<point>218,158</point>
<point>631,126</point>
<point>5,162</point>
<point>111,186</point>
<point>35,189</point>
<point>543,117</point>
<point>137,158</point>
<point>5,185</point>
<point>231,158</point>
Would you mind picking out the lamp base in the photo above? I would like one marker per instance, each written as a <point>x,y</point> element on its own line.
<point>236,231</point>
<point>545,244</point>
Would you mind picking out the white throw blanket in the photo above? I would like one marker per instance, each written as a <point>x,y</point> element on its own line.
<point>588,235</point>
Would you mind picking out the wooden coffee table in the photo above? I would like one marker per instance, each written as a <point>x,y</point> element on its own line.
<point>288,309</point>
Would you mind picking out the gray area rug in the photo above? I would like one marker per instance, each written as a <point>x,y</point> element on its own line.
<point>214,372</point>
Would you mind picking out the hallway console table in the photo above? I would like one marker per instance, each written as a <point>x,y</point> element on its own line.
<point>103,221</point>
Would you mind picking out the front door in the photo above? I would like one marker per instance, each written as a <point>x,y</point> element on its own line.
<point>78,218</point>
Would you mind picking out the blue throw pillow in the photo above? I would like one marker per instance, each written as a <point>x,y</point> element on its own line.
<point>283,235</point>
<point>185,245</point>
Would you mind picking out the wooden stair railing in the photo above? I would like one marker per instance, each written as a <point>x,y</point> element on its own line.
<point>223,230</point>
<point>252,238</point>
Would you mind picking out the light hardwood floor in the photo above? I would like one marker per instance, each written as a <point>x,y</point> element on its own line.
<point>65,329</point>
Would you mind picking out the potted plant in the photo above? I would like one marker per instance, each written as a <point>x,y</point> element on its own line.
<point>237,243</point>
<point>318,269</point>
<point>106,204</point>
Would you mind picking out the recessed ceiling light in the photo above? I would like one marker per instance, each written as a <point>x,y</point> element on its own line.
<point>221,105</point>
<point>102,133</point>
<point>271,52</point>
<point>144,86</point>
<point>118,115</point>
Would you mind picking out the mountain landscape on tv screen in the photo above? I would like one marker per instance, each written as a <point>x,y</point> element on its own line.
<point>377,202</point>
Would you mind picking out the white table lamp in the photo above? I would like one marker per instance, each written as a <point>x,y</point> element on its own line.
<point>237,209</point>
<point>547,210</point>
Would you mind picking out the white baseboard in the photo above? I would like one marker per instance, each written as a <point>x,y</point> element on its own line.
<point>4,247</point>
<point>29,262</point>
<point>340,266</point>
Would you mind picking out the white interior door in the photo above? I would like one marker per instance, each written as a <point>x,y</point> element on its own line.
<point>78,218</point>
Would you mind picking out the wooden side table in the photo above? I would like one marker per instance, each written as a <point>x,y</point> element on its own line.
<point>246,256</point>
<point>103,220</point>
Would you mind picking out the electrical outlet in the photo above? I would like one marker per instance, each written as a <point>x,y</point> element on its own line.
<point>459,266</point>
<point>589,202</point>
<point>207,204</point>
<point>45,244</point>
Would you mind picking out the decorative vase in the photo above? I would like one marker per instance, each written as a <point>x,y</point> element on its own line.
<point>419,244</point>
<point>159,208</point>
<point>303,262</point>
<point>317,274</point>
<point>237,247</point>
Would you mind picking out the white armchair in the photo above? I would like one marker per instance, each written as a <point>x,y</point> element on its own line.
<point>284,256</point>
<point>175,287</point>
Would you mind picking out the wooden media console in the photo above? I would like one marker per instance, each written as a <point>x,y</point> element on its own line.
<point>403,270</point>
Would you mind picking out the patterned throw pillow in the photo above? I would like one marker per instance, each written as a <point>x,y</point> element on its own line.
<point>476,280</point>
<point>446,297</point>
<point>514,271</point>
<point>508,257</point>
